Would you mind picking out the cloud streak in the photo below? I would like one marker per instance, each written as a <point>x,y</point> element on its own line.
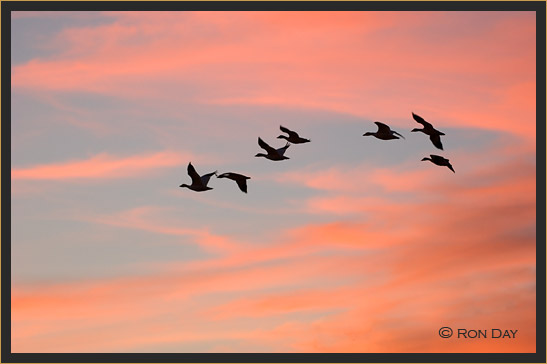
<point>273,67</point>
<point>343,257</point>
<point>149,218</point>
<point>101,166</point>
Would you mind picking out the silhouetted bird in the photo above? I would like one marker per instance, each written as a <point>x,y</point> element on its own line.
<point>384,132</point>
<point>293,136</point>
<point>199,184</point>
<point>440,161</point>
<point>273,154</point>
<point>434,134</point>
<point>240,179</point>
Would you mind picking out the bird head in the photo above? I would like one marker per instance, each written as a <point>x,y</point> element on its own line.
<point>416,129</point>
<point>282,137</point>
<point>368,133</point>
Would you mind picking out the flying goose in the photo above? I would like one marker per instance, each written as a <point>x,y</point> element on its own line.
<point>273,154</point>
<point>240,179</point>
<point>440,161</point>
<point>199,184</point>
<point>384,132</point>
<point>434,134</point>
<point>293,136</point>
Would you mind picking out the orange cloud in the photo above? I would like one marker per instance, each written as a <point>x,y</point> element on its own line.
<point>506,173</point>
<point>101,166</point>
<point>283,303</point>
<point>88,309</point>
<point>146,218</point>
<point>341,61</point>
<point>389,278</point>
<point>392,299</point>
<point>384,273</point>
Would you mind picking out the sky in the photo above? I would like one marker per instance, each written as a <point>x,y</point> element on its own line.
<point>352,245</point>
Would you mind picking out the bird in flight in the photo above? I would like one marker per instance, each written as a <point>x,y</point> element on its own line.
<point>440,161</point>
<point>293,136</point>
<point>199,184</point>
<point>273,154</point>
<point>434,134</point>
<point>240,179</point>
<point>384,132</point>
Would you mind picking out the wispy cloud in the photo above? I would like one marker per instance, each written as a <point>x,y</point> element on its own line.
<point>102,166</point>
<point>152,219</point>
<point>359,74</point>
<point>370,259</point>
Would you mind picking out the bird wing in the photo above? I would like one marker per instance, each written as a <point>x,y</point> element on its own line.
<point>205,178</point>
<point>236,176</point>
<point>242,183</point>
<point>193,174</point>
<point>438,158</point>
<point>420,120</point>
<point>288,131</point>
<point>436,140</point>
<point>382,128</point>
<point>265,146</point>
<point>282,150</point>
<point>394,132</point>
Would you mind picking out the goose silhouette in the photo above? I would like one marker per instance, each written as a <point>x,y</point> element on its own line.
<point>240,179</point>
<point>434,134</point>
<point>440,161</point>
<point>384,132</point>
<point>293,136</point>
<point>273,154</point>
<point>199,184</point>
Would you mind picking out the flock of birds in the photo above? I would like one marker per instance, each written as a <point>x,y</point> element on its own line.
<point>384,132</point>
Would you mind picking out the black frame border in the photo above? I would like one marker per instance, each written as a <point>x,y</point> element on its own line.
<point>6,7</point>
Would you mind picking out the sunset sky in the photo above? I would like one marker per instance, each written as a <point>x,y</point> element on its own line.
<point>352,245</point>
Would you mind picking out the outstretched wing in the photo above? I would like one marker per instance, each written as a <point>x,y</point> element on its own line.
<point>242,183</point>
<point>420,120</point>
<point>193,174</point>
<point>436,140</point>
<point>439,158</point>
<point>394,132</point>
<point>382,128</point>
<point>265,146</point>
<point>206,177</point>
<point>282,150</point>
<point>240,179</point>
<point>292,134</point>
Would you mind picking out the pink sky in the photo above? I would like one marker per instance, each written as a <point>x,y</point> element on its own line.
<point>343,248</point>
